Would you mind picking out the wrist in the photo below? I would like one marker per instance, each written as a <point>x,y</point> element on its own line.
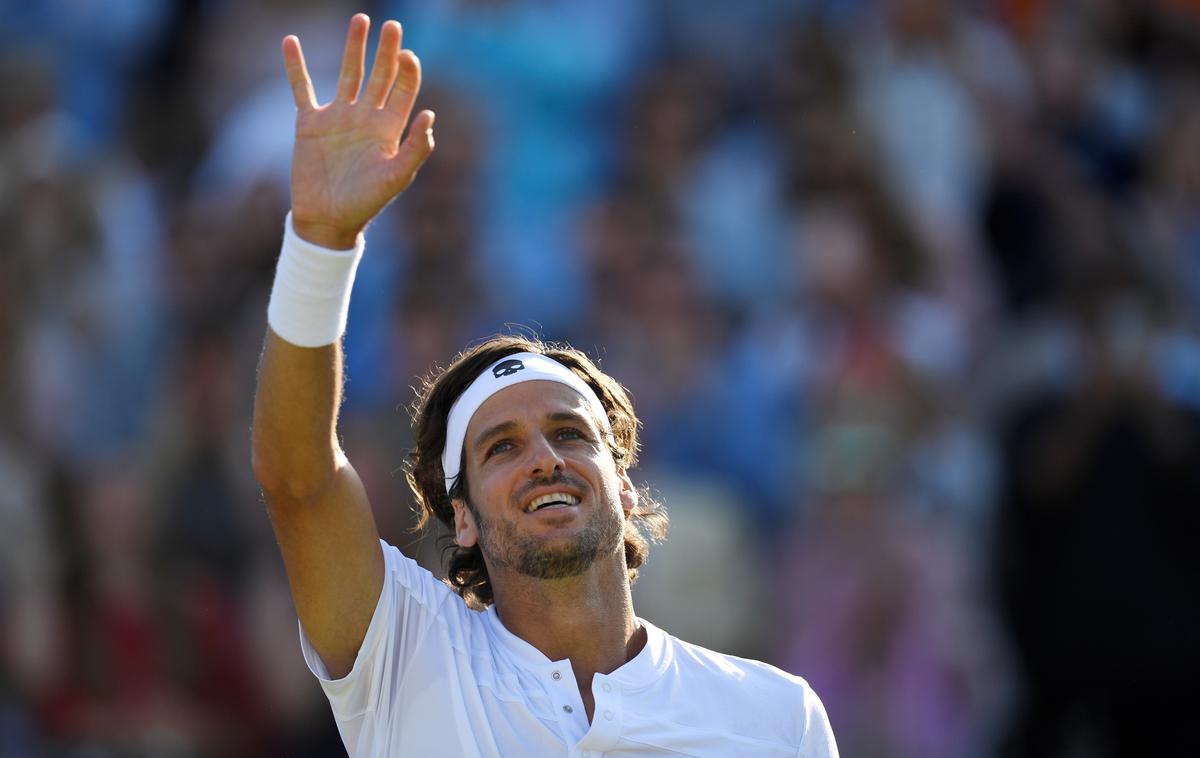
<point>310,298</point>
<point>325,235</point>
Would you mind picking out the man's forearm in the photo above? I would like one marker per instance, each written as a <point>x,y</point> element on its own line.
<point>300,377</point>
<point>295,417</point>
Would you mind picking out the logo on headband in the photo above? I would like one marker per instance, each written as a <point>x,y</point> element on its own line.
<point>507,368</point>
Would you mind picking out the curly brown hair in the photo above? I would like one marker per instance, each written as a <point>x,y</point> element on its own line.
<point>466,572</point>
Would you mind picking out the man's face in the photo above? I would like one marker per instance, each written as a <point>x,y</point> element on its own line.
<point>546,497</point>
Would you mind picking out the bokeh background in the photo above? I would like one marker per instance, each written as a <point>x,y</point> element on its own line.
<point>907,293</point>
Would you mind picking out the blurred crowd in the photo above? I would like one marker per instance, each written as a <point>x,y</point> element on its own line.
<point>907,293</point>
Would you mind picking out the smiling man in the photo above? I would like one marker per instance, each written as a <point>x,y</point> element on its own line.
<point>523,450</point>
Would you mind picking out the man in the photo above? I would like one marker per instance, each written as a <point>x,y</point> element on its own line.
<point>523,449</point>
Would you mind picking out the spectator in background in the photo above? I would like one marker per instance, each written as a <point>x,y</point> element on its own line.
<point>1096,566</point>
<point>871,557</point>
<point>151,658</point>
<point>548,80</point>
<point>882,608</point>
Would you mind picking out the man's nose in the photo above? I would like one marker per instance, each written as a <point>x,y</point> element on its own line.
<point>544,457</point>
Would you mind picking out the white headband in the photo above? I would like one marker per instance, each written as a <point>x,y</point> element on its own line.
<point>510,370</point>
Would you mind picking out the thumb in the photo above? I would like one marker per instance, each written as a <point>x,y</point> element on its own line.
<point>415,148</point>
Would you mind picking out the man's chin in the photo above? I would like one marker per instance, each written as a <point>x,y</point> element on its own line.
<point>555,553</point>
<point>561,561</point>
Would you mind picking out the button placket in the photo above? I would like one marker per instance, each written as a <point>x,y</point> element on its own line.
<point>606,719</point>
<point>561,687</point>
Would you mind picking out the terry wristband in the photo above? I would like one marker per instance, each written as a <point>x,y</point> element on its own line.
<point>311,294</point>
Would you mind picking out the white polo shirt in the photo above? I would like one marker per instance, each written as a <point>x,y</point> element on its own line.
<point>434,678</point>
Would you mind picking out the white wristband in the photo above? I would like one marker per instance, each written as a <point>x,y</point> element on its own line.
<point>311,295</point>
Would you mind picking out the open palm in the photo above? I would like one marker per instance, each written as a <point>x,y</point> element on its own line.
<point>349,159</point>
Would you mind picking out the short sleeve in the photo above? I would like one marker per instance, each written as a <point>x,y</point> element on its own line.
<point>818,734</point>
<point>409,602</point>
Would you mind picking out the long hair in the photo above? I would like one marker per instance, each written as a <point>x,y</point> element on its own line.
<point>466,572</point>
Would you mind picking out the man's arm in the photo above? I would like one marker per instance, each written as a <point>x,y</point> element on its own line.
<point>349,162</point>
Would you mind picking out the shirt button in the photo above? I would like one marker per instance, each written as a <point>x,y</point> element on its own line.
<point>555,676</point>
<point>568,709</point>
<point>608,715</point>
<point>606,687</point>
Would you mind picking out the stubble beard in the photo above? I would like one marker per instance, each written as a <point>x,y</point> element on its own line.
<point>503,546</point>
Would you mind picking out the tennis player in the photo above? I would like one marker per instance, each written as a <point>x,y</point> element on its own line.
<point>523,449</point>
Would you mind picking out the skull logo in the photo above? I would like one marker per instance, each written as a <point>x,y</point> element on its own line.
<point>507,368</point>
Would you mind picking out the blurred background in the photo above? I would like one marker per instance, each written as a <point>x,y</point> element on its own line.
<point>907,293</point>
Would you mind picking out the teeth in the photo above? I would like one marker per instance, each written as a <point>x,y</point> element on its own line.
<point>553,497</point>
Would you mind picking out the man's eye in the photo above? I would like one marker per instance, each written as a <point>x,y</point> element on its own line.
<point>499,447</point>
<point>570,433</point>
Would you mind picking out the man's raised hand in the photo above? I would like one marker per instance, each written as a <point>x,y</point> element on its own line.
<point>349,160</point>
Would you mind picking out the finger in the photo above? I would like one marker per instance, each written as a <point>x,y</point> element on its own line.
<point>353,59</point>
<point>297,72</point>
<point>422,125</point>
<point>413,151</point>
<point>386,65</point>
<point>408,84</point>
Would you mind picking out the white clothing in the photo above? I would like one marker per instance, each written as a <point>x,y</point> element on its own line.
<point>435,678</point>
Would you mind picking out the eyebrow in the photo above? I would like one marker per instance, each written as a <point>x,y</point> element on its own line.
<point>571,416</point>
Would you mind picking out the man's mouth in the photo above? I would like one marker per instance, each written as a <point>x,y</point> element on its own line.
<point>551,501</point>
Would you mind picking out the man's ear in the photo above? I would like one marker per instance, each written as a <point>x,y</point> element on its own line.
<point>629,493</point>
<point>465,533</point>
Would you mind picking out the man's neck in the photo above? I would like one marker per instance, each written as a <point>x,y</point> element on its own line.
<point>587,618</point>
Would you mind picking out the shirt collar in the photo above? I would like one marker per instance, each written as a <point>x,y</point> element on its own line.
<point>645,667</point>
